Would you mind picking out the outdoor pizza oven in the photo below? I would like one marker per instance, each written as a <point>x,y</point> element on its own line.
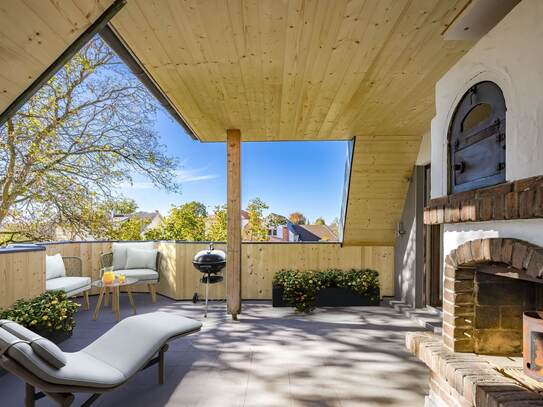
<point>532,349</point>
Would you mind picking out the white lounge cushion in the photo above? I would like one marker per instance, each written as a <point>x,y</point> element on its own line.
<point>68,284</point>
<point>141,258</point>
<point>139,274</point>
<point>119,252</point>
<point>111,359</point>
<point>54,267</point>
<point>152,330</point>
<point>43,347</point>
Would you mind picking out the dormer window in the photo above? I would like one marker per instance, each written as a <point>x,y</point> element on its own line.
<point>477,139</point>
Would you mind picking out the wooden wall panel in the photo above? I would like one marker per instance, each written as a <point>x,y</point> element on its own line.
<point>295,70</point>
<point>22,275</point>
<point>34,33</point>
<point>180,280</point>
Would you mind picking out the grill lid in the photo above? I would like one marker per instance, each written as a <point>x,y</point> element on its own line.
<point>210,256</point>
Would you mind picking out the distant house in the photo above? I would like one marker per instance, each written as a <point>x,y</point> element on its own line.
<point>313,233</point>
<point>155,219</point>
<point>281,229</point>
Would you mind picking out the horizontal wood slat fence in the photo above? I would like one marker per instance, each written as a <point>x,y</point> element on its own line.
<point>23,274</point>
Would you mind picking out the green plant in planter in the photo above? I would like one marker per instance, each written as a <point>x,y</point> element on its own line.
<point>300,288</point>
<point>51,311</point>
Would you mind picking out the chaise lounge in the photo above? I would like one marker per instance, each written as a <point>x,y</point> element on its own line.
<point>102,366</point>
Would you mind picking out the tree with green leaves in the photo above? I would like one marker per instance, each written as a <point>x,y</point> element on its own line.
<point>129,229</point>
<point>297,218</point>
<point>335,226</point>
<point>256,230</point>
<point>84,133</point>
<point>184,222</point>
<point>217,228</point>
<point>320,221</point>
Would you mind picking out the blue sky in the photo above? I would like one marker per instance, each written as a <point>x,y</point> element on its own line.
<point>288,176</point>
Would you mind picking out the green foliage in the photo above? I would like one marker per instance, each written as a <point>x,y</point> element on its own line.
<point>300,288</point>
<point>51,311</point>
<point>217,231</point>
<point>129,229</point>
<point>335,226</point>
<point>256,230</point>
<point>320,221</point>
<point>184,222</point>
<point>297,218</point>
<point>87,131</point>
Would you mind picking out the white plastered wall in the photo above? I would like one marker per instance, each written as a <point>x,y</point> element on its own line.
<point>511,55</point>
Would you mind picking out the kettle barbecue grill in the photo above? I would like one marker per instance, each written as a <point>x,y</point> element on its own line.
<point>210,262</point>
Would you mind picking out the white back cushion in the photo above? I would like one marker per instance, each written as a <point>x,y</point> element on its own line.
<point>119,252</point>
<point>141,258</point>
<point>54,267</point>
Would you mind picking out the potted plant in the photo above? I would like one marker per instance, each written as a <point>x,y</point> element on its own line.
<point>50,315</point>
<point>308,289</point>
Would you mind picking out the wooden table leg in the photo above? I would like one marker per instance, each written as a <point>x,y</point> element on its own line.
<point>117,304</point>
<point>130,298</point>
<point>106,302</point>
<point>99,303</point>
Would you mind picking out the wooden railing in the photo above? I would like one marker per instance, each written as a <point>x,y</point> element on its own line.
<point>179,279</point>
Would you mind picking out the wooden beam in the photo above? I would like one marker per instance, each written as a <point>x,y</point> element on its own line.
<point>233,248</point>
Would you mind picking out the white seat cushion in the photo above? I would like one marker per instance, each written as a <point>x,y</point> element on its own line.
<point>140,274</point>
<point>67,284</point>
<point>141,258</point>
<point>54,267</point>
<point>119,252</point>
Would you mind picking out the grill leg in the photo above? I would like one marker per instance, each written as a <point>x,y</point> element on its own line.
<point>207,292</point>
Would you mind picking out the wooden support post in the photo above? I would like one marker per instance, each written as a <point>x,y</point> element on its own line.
<point>233,255</point>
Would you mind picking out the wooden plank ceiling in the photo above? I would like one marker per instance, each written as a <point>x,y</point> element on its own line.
<point>306,70</point>
<point>33,34</point>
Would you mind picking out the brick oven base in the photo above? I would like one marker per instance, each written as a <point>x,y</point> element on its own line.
<point>467,379</point>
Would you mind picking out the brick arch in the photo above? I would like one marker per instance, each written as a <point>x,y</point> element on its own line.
<point>523,261</point>
<point>525,257</point>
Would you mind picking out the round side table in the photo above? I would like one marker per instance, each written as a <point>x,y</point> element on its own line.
<point>115,288</point>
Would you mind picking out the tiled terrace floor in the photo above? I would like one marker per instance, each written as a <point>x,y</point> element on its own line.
<point>271,357</point>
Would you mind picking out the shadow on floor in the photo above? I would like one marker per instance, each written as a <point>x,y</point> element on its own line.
<point>271,357</point>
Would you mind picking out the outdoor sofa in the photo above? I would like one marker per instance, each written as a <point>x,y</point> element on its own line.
<point>103,366</point>
<point>138,260</point>
<point>65,274</point>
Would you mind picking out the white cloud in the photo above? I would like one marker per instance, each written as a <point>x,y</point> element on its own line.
<point>181,176</point>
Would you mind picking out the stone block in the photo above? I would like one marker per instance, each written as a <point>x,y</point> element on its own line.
<point>485,243</point>
<point>538,203</point>
<point>498,207</point>
<point>484,393</point>
<point>496,249</point>
<point>528,184</point>
<point>519,253</point>
<point>486,318</point>
<point>464,273</point>
<point>463,286</point>
<point>507,250</point>
<point>470,209</point>
<point>511,317</point>
<point>502,293</point>
<point>477,250</point>
<point>535,266</point>
<point>526,203</point>
<point>497,342</point>
<point>511,205</point>
<point>485,208</point>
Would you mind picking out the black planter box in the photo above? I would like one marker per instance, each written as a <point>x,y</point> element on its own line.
<point>332,297</point>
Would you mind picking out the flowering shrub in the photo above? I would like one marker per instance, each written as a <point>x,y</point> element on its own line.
<point>300,288</point>
<point>51,311</point>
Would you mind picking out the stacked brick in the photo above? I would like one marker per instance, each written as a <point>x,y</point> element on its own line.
<point>522,199</point>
